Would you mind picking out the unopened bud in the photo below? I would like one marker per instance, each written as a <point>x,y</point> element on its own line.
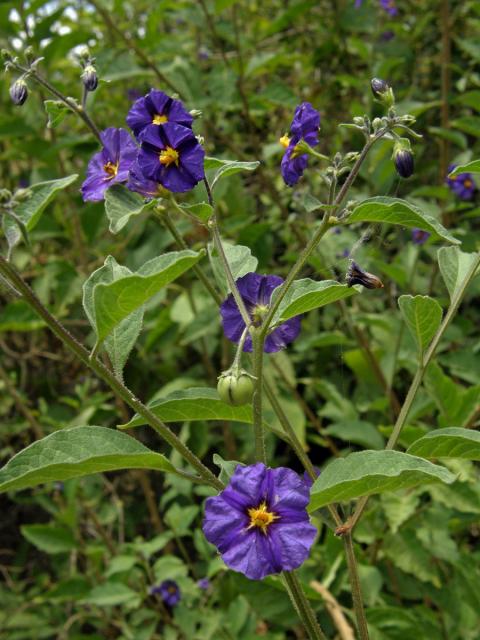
<point>90,78</point>
<point>195,113</point>
<point>29,54</point>
<point>403,158</point>
<point>5,196</point>
<point>19,92</point>
<point>6,55</point>
<point>382,91</point>
<point>84,53</point>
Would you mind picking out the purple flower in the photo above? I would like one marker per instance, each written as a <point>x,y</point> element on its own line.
<point>110,165</point>
<point>462,185</point>
<point>259,522</point>
<point>419,236</point>
<point>256,291</point>
<point>169,591</point>
<point>148,188</point>
<point>203,583</point>
<point>172,156</point>
<point>157,108</point>
<point>389,6</point>
<point>305,124</point>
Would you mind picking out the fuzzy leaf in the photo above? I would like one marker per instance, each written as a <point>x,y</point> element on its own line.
<point>305,295</point>
<point>199,403</point>
<point>121,204</point>
<point>451,442</point>
<point>42,193</point>
<point>423,316</point>
<point>226,168</point>
<point>396,211</point>
<point>124,335</point>
<point>80,451</point>
<point>454,266</point>
<point>370,472</point>
<point>49,538</point>
<point>115,301</point>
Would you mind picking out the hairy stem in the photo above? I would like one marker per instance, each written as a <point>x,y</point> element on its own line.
<point>356,588</point>
<point>257,342</point>
<point>107,376</point>
<point>302,606</point>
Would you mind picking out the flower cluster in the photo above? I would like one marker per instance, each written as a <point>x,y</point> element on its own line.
<point>259,522</point>
<point>462,185</point>
<point>387,5</point>
<point>304,127</point>
<point>256,291</point>
<point>165,156</point>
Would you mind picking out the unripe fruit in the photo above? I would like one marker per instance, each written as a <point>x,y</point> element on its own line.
<point>235,388</point>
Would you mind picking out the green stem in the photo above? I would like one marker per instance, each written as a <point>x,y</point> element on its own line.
<point>257,343</point>
<point>356,588</point>
<point>166,220</point>
<point>417,380</point>
<point>320,232</point>
<point>68,102</point>
<point>107,376</point>
<point>302,606</point>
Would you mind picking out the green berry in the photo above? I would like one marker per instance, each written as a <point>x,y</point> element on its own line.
<point>235,389</point>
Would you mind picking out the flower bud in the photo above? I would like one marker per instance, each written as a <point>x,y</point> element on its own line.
<point>382,91</point>
<point>84,54</point>
<point>6,55</point>
<point>89,78</point>
<point>19,92</point>
<point>235,388</point>
<point>403,158</point>
<point>29,54</point>
<point>195,113</point>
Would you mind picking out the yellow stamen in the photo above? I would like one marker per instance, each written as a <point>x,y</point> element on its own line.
<point>159,119</point>
<point>467,183</point>
<point>261,517</point>
<point>168,156</point>
<point>110,169</point>
<point>284,141</point>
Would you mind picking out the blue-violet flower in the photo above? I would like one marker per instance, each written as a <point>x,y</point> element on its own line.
<point>462,185</point>
<point>172,156</point>
<point>256,291</point>
<point>157,108</point>
<point>169,591</point>
<point>419,236</point>
<point>110,165</point>
<point>305,124</point>
<point>259,522</point>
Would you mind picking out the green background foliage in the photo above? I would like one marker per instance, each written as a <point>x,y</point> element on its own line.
<point>77,558</point>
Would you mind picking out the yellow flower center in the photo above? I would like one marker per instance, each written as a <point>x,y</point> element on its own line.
<point>172,589</point>
<point>261,517</point>
<point>168,156</point>
<point>467,183</point>
<point>284,141</point>
<point>110,169</point>
<point>159,119</point>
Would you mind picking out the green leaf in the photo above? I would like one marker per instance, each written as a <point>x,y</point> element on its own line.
<point>49,538</point>
<point>370,472</point>
<point>115,301</point>
<point>239,258</point>
<point>121,204</point>
<point>111,594</point>
<point>396,211</point>
<point>42,193</point>
<point>470,167</point>
<point>454,266</point>
<point>56,112</point>
<point>423,316</point>
<point>457,405</point>
<point>468,124</point>
<point>227,467</point>
<point>305,295</point>
<point>226,168</point>
<point>452,442</point>
<point>201,210</point>
<point>80,451</point>
<point>357,431</point>
<point>124,335</point>
<point>199,403</point>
